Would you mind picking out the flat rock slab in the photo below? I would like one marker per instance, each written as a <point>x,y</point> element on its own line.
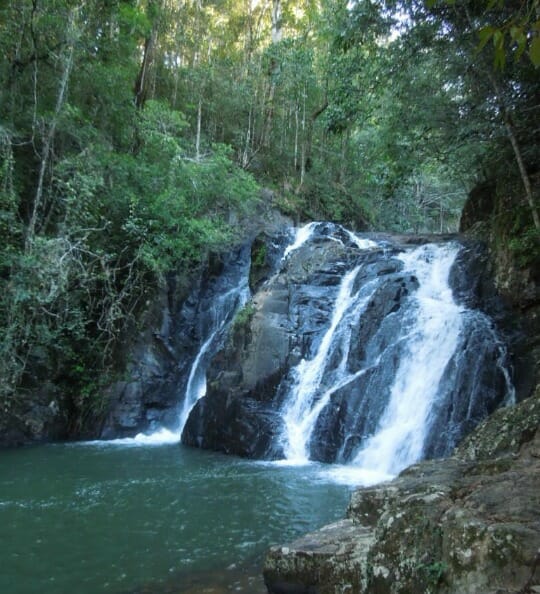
<point>328,561</point>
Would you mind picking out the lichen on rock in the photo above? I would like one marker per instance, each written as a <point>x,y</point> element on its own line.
<point>466,525</point>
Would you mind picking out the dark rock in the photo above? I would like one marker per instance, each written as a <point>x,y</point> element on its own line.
<point>35,419</point>
<point>246,382</point>
<point>161,359</point>
<point>479,206</point>
<point>185,315</point>
<point>250,379</point>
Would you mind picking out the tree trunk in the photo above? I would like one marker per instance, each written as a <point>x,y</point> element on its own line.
<point>296,130</point>
<point>198,137</point>
<point>142,82</point>
<point>509,126</point>
<point>522,170</point>
<point>304,161</point>
<point>277,24</point>
<point>277,34</point>
<point>49,135</point>
<point>306,158</point>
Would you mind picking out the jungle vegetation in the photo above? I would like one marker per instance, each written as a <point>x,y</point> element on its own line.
<point>136,135</point>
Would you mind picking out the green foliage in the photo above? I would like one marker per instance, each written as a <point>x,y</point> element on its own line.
<point>244,315</point>
<point>258,257</point>
<point>241,323</point>
<point>433,572</point>
<point>122,200</point>
<point>525,246</point>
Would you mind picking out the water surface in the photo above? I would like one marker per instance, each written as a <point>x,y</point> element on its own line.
<point>123,519</point>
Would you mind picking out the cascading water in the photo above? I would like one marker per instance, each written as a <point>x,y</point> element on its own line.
<point>221,314</point>
<point>301,235</point>
<point>388,431</point>
<point>308,395</point>
<point>357,353</point>
<point>204,319</point>
<point>430,330</point>
<point>435,323</point>
<point>301,407</point>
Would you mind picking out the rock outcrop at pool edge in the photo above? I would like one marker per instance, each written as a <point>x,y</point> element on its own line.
<point>466,525</point>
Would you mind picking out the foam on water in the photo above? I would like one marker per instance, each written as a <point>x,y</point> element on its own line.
<point>159,438</point>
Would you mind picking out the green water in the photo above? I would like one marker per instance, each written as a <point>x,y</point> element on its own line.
<point>89,518</point>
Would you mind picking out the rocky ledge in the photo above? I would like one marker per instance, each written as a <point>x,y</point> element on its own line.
<point>469,524</point>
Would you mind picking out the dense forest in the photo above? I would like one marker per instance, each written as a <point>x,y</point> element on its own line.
<point>136,136</point>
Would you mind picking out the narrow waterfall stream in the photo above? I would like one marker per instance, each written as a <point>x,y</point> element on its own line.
<point>304,404</point>
<point>211,312</point>
<point>221,314</point>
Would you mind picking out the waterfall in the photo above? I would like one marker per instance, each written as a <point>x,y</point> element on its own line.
<point>409,383</point>
<point>358,353</point>
<point>301,236</point>
<point>306,401</point>
<point>221,313</point>
<point>399,438</point>
<point>300,415</point>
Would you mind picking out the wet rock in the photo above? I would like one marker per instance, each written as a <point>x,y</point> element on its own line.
<point>240,412</point>
<point>160,360</point>
<point>181,320</point>
<point>466,525</point>
<point>252,377</point>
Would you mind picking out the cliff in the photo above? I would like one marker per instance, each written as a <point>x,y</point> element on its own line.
<point>495,216</point>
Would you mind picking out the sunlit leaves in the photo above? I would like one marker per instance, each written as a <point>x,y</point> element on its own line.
<point>511,29</point>
<point>534,48</point>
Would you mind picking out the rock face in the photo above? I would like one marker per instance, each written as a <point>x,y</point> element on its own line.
<point>289,321</point>
<point>467,525</point>
<point>38,419</point>
<point>183,329</point>
<point>493,213</point>
<point>182,320</point>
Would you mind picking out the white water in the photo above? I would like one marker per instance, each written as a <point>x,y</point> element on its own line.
<point>161,437</point>
<point>401,432</point>
<point>301,410</point>
<point>302,234</point>
<point>222,314</point>
<point>431,335</point>
<point>196,385</point>
<point>363,244</point>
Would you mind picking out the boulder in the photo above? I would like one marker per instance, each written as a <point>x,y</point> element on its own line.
<point>466,525</point>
